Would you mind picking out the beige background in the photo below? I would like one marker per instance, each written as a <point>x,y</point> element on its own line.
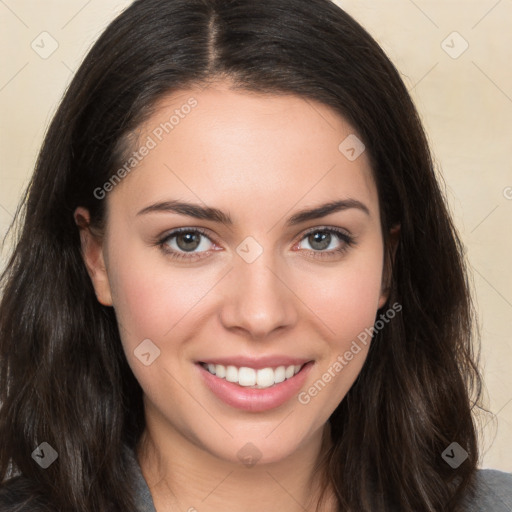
<point>465,100</point>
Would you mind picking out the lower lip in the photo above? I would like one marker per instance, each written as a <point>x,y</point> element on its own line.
<point>252,399</point>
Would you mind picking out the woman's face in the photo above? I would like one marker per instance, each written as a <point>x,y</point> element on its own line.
<point>263,275</point>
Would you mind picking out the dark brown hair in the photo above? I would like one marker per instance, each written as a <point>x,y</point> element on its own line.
<point>64,378</point>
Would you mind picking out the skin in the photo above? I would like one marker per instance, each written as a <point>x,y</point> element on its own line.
<point>260,159</point>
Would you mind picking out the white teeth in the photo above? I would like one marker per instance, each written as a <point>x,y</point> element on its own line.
<point>220,371</point>
<point>232,374</point>
<point>246,376</point>
<point>249,377</point>
<point>279,374</point>
<point>265,377</point>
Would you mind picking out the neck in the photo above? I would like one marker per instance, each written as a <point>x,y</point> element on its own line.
<point>183,476</point>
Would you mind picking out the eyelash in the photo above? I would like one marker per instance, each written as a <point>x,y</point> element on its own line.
<point>349,241</point>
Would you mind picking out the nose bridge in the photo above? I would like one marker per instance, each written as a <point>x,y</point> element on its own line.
<point>259,301</point>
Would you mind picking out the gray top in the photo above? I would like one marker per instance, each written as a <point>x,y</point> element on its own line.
<point>493,491</point>
<point>144,501</point>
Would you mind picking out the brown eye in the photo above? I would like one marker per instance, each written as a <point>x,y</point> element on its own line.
<point>188,241</point>
<point>183,241</point>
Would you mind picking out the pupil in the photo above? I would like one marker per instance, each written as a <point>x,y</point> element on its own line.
<point>189,244</point>
<point>321,238</point>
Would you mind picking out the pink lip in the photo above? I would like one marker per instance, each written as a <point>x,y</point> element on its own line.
<point>251,399</point>
<point>256,362</point>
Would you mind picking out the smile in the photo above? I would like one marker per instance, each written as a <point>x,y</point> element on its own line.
<point>261,378</point>
<point>254,384</point>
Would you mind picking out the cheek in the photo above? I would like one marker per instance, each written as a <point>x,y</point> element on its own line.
<point>346,299</point>
<point>151,298</point>
<point>154,302</point>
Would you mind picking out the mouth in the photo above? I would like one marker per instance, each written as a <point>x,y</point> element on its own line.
<point>255,378</point>
<point>255,385</point>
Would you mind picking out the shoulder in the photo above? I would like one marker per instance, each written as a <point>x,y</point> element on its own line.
<point>20,495</point>
<point>492,491</point>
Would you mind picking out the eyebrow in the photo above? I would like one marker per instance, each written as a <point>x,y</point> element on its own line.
<point>216,215</point>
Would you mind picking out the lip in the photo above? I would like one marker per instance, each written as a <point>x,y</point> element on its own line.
<point>252,399</point>
<point>271,361</point>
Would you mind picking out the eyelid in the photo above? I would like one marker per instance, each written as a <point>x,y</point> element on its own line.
<point>333,229</point>
<point>188,229</point>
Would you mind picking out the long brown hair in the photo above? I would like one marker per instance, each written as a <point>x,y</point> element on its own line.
<point>64,379</point>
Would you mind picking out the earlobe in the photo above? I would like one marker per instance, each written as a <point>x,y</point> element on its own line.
<point>92,253</point>
<point>389,259</point>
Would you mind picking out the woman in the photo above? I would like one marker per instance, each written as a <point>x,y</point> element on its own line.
<point>237,285</point>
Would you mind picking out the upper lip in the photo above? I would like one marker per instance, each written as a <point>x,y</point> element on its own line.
<point>270,361</point>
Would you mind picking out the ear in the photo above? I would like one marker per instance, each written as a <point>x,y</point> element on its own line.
<point>92,253</point>
<point>389,258</point>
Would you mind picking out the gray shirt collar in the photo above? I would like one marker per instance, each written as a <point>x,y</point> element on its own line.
<point>144,500</point>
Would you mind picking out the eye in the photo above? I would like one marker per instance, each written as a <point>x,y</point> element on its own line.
<point>194,243</point>
<point>326,242</point>
<point>186,243</point>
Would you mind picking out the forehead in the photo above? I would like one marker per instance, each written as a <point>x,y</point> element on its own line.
<point>251,149</point>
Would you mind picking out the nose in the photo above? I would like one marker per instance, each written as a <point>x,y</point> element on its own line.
<point>258,300</point>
